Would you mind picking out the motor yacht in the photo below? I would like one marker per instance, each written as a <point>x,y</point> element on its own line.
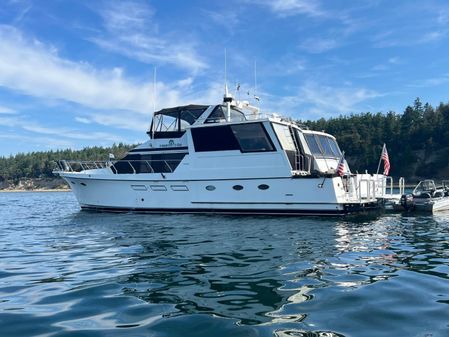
<point>225,158</point>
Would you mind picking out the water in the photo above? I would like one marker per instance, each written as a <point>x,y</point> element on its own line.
<point>64,272</point>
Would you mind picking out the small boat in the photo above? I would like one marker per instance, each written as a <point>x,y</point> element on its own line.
<point>427,197</point>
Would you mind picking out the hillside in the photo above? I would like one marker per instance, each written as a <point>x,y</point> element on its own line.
<point>34,170</point>
<point>417,140</point>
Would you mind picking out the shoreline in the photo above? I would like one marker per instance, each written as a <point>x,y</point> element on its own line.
<point>36,190</point>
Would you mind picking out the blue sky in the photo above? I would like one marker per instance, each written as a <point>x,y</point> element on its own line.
<point>76,73</point>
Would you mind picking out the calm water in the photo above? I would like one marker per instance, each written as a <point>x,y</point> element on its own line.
<point>64,272</point>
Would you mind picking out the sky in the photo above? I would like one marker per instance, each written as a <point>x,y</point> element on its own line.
<point>77,73</point>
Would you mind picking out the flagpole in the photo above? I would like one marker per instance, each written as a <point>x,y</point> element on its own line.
<point>380,159</point>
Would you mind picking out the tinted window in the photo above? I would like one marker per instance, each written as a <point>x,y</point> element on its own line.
<point>215,138</point>
<point>221,112</point>
<point>334,147</point>
<point>313,144</point>
<point>324,141</point>
<point>216,115</point>
<point>252,137</point>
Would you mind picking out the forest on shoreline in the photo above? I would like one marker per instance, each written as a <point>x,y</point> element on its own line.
<point>417,141</point>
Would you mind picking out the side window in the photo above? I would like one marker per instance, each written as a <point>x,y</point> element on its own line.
<point>216,115</point>
<point>215,138</point>
<point>313,144</point>
<point>252,137</point>
<point>284,136</point>
<point>327,150</point>
<point>334,147</point>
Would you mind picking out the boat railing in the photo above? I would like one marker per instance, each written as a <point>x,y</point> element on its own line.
<point>245,117</point>
<point>120,166</point>
<point>366,189</point>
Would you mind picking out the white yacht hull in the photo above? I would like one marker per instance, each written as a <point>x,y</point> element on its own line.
<point>308,196</point>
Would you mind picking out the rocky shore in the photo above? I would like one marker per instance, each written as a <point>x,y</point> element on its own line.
<point>34,184</point>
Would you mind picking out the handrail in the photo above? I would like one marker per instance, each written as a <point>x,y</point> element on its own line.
<point>84,165</point>
<point>401,185</point>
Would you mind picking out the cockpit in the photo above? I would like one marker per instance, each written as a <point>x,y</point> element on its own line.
<point>172,122</point>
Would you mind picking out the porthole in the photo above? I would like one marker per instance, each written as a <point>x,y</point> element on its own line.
<point>263,187</point>
<point>210,187</point>
<point>83,184</point>
<point>237,187</point>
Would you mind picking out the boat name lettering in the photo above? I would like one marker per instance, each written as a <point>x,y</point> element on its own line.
<point>171,143</point>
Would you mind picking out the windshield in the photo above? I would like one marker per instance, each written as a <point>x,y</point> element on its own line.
<point>322,145</point>
<point>220,113</point>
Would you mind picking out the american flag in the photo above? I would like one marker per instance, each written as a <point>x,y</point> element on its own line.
<point>341,166</point>
<point>386,160</point>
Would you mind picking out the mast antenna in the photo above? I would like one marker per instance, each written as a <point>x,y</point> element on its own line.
<point>154,101</point>
<point>257,98</point>
<point>154,90</point>
<point>227,98</point>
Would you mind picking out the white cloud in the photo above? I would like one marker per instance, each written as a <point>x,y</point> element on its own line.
<point>392,39</point>
<point>319,45</point>
<point>430,82</point>
<point>7,111</point>
<point>83,120</point>
<point>129,31</point>
<point>36,70</point>
<point>292,7</point>
<point>316,101</point>
<point>18,122</point>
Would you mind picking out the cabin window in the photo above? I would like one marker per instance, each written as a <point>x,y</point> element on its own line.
<point>323,145</point>
<point>237,187</point>
<point>221,112</point>
<point>313,144</point>
<point>284,136</point>
<point>252,137</point>
<point>334,147</point>
<point>214,138</point>
<point>210,187</point>
<point>327,150</point>
<point>263,187</point>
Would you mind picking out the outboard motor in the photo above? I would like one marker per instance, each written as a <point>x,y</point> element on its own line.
<point>407,201</point>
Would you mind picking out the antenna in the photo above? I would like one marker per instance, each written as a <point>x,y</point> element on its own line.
<point>227,98</point>
<point>257,98</point>
<point>225,68</point>
<point>154,100</point>
<point>154,90</point>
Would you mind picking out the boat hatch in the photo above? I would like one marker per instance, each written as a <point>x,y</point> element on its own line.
<point>172,122</point>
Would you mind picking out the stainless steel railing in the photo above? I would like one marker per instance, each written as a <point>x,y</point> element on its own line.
<point>119,166</point>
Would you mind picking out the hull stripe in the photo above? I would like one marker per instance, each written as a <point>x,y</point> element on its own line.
<point>345,211</point>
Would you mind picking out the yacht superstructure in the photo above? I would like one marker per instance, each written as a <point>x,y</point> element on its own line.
<point>219,159</point>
